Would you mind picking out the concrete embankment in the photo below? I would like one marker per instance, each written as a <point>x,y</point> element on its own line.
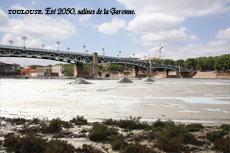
<point>212,75</point>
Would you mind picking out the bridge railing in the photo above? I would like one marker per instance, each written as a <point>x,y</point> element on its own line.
<point>42,50</point>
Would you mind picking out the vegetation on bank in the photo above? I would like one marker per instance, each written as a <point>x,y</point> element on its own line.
<point>202,63</point>
<point>125,135</point>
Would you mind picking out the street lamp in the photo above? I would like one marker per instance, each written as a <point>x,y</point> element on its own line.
<point>11,42</point>
<point>24,38</point>
<point>103,49</point>
<point>133,56</point>
<point>43,46</point>
<point>84,46</point>
<point>68,49</point>
<point>120,54</point>
<point>58,43</point>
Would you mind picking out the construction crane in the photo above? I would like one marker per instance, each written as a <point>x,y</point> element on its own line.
<point>159,50</point>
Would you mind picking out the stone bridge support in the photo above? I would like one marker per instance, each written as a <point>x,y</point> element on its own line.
<point>149,69</point>
<point>78,69</point>
<point>166,73</point>
<point>178,73</point>
<point>93,68</point>
<point>134,72</point>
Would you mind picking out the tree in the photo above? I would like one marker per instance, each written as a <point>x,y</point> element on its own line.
<point>169,62</point>
<point>180,62</point>
<point>222,62</point>
<point>190,63</point>
<point>68,69</point>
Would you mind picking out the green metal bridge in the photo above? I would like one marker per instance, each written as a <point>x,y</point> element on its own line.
<point>78,58</point>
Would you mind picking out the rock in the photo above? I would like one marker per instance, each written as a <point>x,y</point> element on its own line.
<point>148,79</point>
<point>125,80</point>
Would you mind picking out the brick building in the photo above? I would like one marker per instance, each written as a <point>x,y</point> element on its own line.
<point>8,68</point>
<point>29,71</point>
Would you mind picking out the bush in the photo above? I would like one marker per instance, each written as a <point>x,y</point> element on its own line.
<point>225,128</point>
<point>25,144</point>
<point>214,135</point>
<point>190,139</point>
<point>58,146</point>
<point>17,121</point>
<point>118,143</point>
<point>175,130</point>
<point>223,145</point>
<point>54,126</point>
<point>132,123</point>
<point>173,136</point>
<point>138,148</point>
<point>101,132</point>
<point>80,120</point>
<point>194,127</point>
<point>109,122</point>
<point>87,149</point>
<point>11,141</point>
<point>32,144</point>
<point>167,143</point>
<point>158,123</point>
<point>35,121</point>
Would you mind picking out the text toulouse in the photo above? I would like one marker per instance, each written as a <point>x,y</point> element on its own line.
<point>72,11</point>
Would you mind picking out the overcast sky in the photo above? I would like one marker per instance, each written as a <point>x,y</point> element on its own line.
<point>185,28</point>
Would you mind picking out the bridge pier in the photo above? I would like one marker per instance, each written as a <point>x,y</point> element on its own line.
<point>178,73</point>
<point>78,69</point>
<point>93,68</point>
<point>166,73</point>
<point>149,69</point>
<point>134,72</point>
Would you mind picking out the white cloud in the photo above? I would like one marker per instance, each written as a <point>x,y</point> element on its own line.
<point>160,21</point>
<point>224,34</point>
<point>4,20</point>
<point>36,27</point>
<point>154,22</point>
<point>166,37</point>
<point>112,27</point>
<point>193,37</point>
<point>213,48</point>
<point>184,8</point>
<point>18,7</point>
<point>84,18</point>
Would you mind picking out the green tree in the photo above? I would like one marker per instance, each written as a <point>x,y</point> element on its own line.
<point>85,68</point>
<point>222,62</point>
<point>180,62</point>
<point>35,66</point>
<point>68,69</point>
<point>190,63</point>
<point>169,62</point>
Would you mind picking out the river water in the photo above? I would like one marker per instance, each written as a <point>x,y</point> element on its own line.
<point>182,100</point>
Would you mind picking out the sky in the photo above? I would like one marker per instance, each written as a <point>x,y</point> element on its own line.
<point>184,28</point>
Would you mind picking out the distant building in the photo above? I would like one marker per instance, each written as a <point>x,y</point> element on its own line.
<point>29,71</point>
<point>44,71</point>
<point>58,69</point>
<point>8,68</point>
